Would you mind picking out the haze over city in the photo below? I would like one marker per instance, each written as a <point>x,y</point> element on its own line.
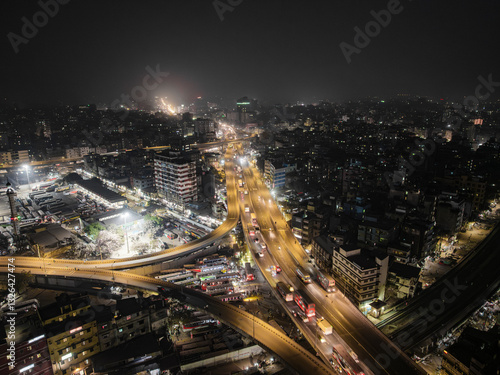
<point>279,51</point>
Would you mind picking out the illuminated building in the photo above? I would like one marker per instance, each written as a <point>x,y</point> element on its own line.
<point>31,351</point>
<point>175,177</point>
<point>360,274</point>
<point>71,332</point>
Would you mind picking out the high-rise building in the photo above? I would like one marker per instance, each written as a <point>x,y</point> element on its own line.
<point>175,177</point>
<point>245,108</point>
<point>205,129</point>
<point>276,173</point>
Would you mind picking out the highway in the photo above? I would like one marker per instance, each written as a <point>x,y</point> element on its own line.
<point>288,350</point>
<point>309,329</point>
<point>372,347</point>
<point>450,299</point>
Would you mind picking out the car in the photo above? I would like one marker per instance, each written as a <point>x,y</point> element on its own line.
<point>278,269</point>
<point>256,239</point>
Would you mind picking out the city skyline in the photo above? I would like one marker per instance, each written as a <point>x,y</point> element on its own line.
<point>239,186</point>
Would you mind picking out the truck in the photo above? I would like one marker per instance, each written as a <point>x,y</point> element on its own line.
<point>325,327</point>
<point>254,219</point>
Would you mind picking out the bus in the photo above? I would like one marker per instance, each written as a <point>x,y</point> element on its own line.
<point>285,290</point>
<point>308,308</point>
<point>231,297</point>
<point>351,369</point>
<point>214,259</point>
<point>44,186</point>
<point>197,324</point>
<point>248,272</point>
<point>303,275</point>
<point>326,281</point>
<point>240,183</point>
<point>254,219</point>
<point>251,230</point>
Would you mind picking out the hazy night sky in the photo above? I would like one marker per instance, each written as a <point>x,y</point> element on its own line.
<point>93,51</point>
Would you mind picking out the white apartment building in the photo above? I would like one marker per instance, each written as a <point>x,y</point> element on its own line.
<point>175,177</point>
<point>14,157</point>
<point>360,274</point>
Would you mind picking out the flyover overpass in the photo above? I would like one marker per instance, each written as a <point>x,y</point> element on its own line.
<point>158,257</point>
<point>220,143</point>
<point>294,355</point>
<point>59,160</point>
<point>449,300</point>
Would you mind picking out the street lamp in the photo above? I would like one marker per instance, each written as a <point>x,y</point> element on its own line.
<point>125,215</point>
<point>26,167</point>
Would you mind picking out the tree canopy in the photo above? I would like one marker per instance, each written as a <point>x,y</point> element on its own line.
<point>94,229</point>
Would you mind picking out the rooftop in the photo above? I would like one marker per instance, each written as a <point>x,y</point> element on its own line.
<point>49,235</point>
<point>141,346</point>
<point>57,308</point>
<point>97,188</point>
<point>69,324</point>
<point>404,270</point>
<point>325,243</point>
<point>128,306</point>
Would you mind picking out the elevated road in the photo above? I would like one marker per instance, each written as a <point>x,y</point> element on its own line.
<point>450,299</point>
<point>143,260</point>
<point>294,355</point>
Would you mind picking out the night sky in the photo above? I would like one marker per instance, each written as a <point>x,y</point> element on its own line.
<point>276,51</point>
